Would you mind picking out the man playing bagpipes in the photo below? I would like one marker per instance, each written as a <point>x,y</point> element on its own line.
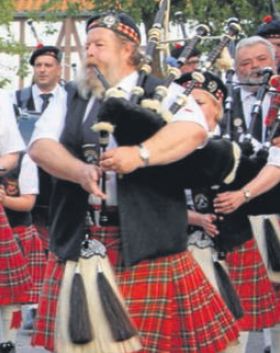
<point>142,223</point>
<point>252,106</point>
<point>221,244</point>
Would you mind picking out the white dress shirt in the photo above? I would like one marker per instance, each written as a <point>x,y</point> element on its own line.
<point>10,137</point>
<point>28,177</point>
<point>57,93</point>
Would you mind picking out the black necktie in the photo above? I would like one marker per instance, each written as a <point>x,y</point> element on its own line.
<point>46,99</point>
<point>258,127</point>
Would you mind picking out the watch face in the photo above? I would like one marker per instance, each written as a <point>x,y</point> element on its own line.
<point>247,194</point>
<point>144,154</point>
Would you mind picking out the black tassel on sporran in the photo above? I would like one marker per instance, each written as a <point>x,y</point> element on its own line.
<point>80,328</point>
<point>272,245</point>
<point>227,291</point>
<point>121,327</point>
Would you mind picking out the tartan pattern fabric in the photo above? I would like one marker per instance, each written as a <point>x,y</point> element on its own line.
<point>14,274</point>
<point>169,299</point>
<point>45,317</point>
<point>120,28</point>
<point>33,251</point>
<point>250,278</point>
<point>43,234</point>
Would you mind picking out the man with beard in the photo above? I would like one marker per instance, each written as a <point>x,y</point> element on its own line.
<point>253,54</point>
<point>170,302</point>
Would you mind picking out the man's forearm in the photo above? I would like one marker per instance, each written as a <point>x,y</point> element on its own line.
<point>267,178</point>
<point>55,159</point>
<point>174,141</point>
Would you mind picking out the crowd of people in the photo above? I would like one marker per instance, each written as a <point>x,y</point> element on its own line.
<point>125,233</point>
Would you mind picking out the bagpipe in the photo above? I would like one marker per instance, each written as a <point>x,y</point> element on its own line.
<point>270,83</point>
<point>232,29</point>
<point>272,119</point>
<point>174,73</point>
<point>133,120</point>
<point>228,106</point>
<point>251,162</point>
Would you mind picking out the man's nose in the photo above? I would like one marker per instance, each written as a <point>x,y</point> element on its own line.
<point>90,50</point>
<point>255,64</point>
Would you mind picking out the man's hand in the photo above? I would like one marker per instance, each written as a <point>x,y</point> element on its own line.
<point>228,202</point>
<point>89,180</point>
<point>207,222</point>
<point>121,160</point>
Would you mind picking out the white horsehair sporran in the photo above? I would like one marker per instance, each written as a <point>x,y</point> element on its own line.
<point>92,262</point>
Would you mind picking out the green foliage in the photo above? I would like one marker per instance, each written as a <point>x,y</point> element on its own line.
<point>249,12</point>
<point>6,13</point>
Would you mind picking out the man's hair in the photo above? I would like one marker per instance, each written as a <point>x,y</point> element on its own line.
<point>137,56</point>
<point>254,40</point>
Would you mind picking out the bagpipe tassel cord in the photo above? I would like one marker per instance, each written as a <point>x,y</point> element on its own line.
<point>272,245</point>
<point>104,340</point>
<point>227,290</point>
<point>80,328</point>
<point>120,324</point>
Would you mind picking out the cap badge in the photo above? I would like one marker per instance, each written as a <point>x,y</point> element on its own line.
<point>110,20</point>
<point>212,86</point>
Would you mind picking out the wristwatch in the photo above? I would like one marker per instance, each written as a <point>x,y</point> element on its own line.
<point>247,195</point>
<point>144,154</point>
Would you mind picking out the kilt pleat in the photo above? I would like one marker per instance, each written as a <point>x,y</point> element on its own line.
<point>43,234</point>
<point>257,224</point>
<point>173,306</point>
<point>14,275</point>
<point>33,251</point>
<point>45,317</point>
<point>257,296</point>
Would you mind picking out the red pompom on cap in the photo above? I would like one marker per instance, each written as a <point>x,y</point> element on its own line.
<point>267,19</point>
<point>275,81</point>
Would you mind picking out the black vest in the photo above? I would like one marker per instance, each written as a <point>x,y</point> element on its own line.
<point>151,208</point>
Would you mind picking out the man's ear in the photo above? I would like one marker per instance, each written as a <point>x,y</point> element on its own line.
<point>128,48</point>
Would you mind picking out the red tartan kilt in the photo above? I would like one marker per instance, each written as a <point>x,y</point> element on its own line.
<point>43,234</point>
<point>258,298</point>
<point>14,275</point>
<point>172,304</point>
<point>32,248</point>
